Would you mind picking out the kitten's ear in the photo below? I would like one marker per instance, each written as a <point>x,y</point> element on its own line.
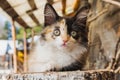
<point>81,15</point>
<point>50,15</point>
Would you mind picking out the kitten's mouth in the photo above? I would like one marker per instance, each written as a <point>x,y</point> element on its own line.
<point>64,45</point>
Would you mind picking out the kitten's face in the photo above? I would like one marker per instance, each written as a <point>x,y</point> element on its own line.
<point>63,32</point>
<point>57,35</point>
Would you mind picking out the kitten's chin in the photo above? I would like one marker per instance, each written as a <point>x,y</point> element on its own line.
<point>63,45</point>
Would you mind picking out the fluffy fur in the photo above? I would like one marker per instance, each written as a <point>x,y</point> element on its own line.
<point>62,45</point>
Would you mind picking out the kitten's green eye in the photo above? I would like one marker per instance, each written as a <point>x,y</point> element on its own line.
<point>56,32</point>
<point>73,33</point>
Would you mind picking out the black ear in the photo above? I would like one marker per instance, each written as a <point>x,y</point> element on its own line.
<point>81,15</point>
<point>50,15</point>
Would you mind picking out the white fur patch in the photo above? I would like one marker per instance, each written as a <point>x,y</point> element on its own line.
<point>49,56</point>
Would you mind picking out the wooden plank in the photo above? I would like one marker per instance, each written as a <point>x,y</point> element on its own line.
<point>11,12</point>
<point>21,22</point>
<point>113,2</point>
<point>32,4</point>
<point>74,75</point>
<point>30,12</point>
<point>33,18</point>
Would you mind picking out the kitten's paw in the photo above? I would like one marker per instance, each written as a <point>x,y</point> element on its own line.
<point>46,68</point>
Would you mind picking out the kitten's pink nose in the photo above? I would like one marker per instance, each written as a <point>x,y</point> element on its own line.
<point>65,41</point>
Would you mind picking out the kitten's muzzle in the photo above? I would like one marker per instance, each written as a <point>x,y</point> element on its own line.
<point>64,42</point>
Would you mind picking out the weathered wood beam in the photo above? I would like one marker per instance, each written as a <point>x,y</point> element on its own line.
<point>30,12</point>
<point>74,75</point>
<point>113,2</point>
<point>64,7</point>
<point>32,4</point>
<point>21,22</point>
<point>76,5</point>
<point>104,18</point>
<point>12,13</point>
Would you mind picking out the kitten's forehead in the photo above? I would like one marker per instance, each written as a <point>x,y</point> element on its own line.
<point>62,23</point>
<point>59,24</point>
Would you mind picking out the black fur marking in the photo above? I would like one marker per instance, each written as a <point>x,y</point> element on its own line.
<point>74,66</point>
<point>54,69</point>
<point>78,24</point>
<point>43,36</point>
<point>79,27</point>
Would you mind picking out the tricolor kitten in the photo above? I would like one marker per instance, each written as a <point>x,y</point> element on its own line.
<point>62,45</point>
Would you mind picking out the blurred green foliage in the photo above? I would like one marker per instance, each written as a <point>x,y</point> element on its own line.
<point>20,33</point>
<point>4,34</point>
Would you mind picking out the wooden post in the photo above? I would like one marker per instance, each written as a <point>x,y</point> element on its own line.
<point>14,41</point>
<point>76,5</point>
<point>11,66</point>
<point>64,7</point>
<point>31,44</point>
<point>25,51</point>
